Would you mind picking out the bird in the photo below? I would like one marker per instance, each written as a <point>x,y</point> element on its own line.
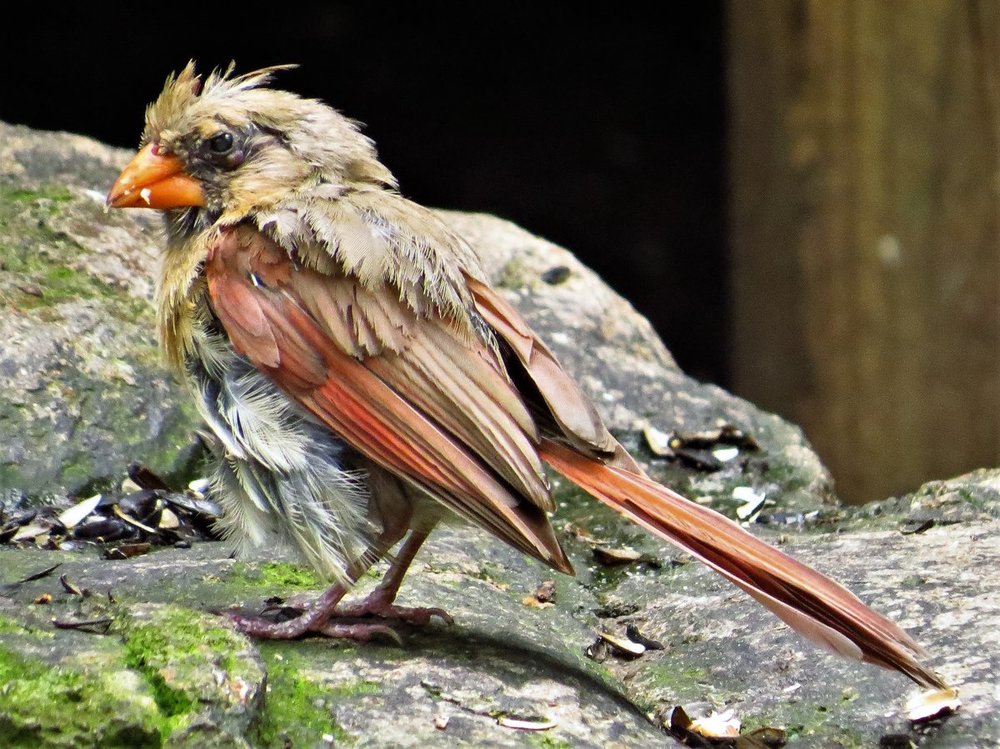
<point>363,381</point>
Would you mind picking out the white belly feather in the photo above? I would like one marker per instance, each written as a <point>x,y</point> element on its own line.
<point>279,476</point>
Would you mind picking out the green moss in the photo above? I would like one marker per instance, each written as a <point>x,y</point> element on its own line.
<point>672,681</point>
<point>289,576</point>
<point>16,564</point>
<point>750,723</point>
<point>42,705</point>
<point>175,651</point>
<point>297,711</point>
<point>40,257</point>
<point>9,626</point>
<point>546,741</point>
<point>279,578</point>
<point>495,575</point>
<point>514,275</point>
<point>806,721</point>
<point>10,476</point>
<point>20,195</point>
<point>77,475</point>
<point>352,688</point>
<point>176,632</point>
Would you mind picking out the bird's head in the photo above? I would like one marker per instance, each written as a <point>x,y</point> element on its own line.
<point>222,148</point>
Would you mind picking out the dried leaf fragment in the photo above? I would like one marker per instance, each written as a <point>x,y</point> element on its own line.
<point>99,626</point>
<point>912,527</point>
<point>533,603</point>
<point>38,575</point>
<point>546,592</point>
<point>581,534</point>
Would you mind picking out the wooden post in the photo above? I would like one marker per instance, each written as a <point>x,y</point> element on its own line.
<point>865,162</point>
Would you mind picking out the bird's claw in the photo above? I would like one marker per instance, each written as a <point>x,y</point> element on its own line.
<point>342,623</point>
<point>361,632</point>
<point>417,616</point>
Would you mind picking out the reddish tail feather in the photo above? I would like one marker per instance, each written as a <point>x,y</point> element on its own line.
<point>813,605</point>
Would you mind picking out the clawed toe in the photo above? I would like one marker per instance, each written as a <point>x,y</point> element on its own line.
<point>267,629</point>
<point>422,616</point>
<point>361,632</point>
<point>344,622</point>
<point>417,616</point>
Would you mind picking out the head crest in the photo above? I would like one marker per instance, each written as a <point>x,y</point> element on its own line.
<point>183,89</point>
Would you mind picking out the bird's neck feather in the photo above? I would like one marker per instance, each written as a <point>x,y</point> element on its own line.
<point>179,294</point>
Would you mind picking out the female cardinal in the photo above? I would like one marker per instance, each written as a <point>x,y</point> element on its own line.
<point>365,381</point>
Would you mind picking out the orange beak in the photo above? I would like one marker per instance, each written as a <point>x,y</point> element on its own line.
<point>155,180</point>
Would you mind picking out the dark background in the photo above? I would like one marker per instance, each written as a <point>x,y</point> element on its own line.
<point>603,134</point>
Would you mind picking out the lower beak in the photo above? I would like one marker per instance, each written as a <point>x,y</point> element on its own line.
<point>153,180</point>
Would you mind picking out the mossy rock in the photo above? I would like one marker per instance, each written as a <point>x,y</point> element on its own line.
<point>83,391</point>
<point>86,395</point>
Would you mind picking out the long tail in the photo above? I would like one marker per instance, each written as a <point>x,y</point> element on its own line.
<point>813,605</point>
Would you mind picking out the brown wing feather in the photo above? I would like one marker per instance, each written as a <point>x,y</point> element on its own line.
<point>280,320</point>
<point>454,378</point>
<point>574,414</point>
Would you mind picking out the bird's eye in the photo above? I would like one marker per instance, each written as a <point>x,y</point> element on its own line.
<point>221,143</point>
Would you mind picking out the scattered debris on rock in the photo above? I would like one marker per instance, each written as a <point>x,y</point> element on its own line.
<point>142,512</point>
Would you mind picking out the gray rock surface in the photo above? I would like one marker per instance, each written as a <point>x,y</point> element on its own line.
<point>82,390</point>
<point>84,395</point>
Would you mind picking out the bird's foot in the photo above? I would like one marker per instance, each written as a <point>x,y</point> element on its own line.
<point>261,628</point>
<point>375,605</point>
<point>267,628</point>
<point>345,621</point>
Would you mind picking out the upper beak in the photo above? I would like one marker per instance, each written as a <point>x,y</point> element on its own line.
<point>155,180</point>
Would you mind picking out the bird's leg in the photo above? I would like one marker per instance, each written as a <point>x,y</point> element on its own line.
<point>380,601</point>
<point>326,616</point>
